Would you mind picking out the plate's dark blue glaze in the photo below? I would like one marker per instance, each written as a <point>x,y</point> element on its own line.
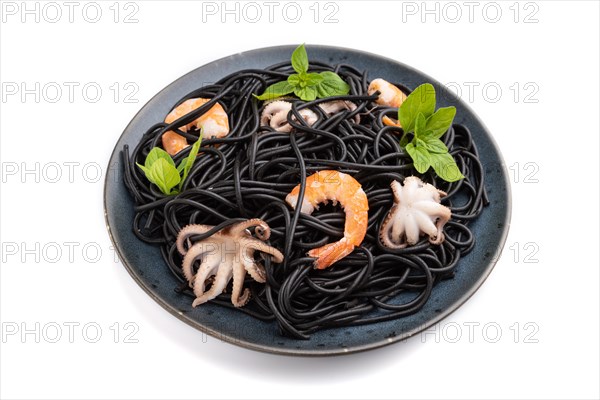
<point>147,268</point>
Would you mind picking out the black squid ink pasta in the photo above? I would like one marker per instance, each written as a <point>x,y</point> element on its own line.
<point>248,174</point>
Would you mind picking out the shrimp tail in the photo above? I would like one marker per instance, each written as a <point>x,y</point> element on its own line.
<point>331,253</point>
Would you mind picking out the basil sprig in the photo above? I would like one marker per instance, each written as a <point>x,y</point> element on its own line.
<point>160,169</point>
<point>417,115</point>
<point>306,85</point>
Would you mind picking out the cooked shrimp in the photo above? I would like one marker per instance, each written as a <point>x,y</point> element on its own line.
<point>173,142</point>
<point>337,187</point>
<point>390,121</point>
<point>389,95</point>
<point>214,124</point>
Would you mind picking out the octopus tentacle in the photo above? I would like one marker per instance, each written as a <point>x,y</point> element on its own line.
<point>280,123</point>
<point>263,231</point>
<point>397,191</point>
<point>398,230</point>
<point>425,223</point>
<point>192,255</point>
<point>188,231</point>
<point>265,248</point>
<point>411,229</point>
<point>438,239</point>
<point>309,116</point>
<point>335,106</point>
<point>237,298</point>
<point>242,300</point>
<point>442,215</point>
<point>222,278</point>
<point>256,270</point>
<point>207,269</point>
<point>434,209</point>
<point>386,227</point>
<point>273,108</point>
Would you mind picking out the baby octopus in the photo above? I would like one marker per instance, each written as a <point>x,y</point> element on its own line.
<point>227,254</point>
<point>416,210</point>
<point>275,113</point>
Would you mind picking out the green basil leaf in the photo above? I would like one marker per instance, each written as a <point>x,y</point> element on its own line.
<point>421,100</point>
<point>307,93</point>
<point>420,125</point>
<point>155,154</point>
<point>300,59</point>
<point>404,140</point>
<point>441,120</point>
<point>182,164</point>
<point>331,85</point>
<point>190,159</point>
<point>313,79</point>
<point>445,167</point>
<point>433,144</point>
<point>164,175</point>
<point>294,80</point>
<point>146,171</point>
<point>420,157</point>
<point>276,90</point>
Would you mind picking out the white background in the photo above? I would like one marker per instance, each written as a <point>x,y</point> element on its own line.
<point>545,310</point>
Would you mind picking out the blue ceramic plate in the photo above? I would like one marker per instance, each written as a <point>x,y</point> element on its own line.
<point>147,268</point>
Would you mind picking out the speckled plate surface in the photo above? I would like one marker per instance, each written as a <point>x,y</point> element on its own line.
<point>147,268</point>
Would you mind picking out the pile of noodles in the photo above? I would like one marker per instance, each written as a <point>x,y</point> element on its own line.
<point>248,174</point>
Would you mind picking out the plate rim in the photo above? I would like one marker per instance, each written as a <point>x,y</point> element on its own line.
<point>315,352</point>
